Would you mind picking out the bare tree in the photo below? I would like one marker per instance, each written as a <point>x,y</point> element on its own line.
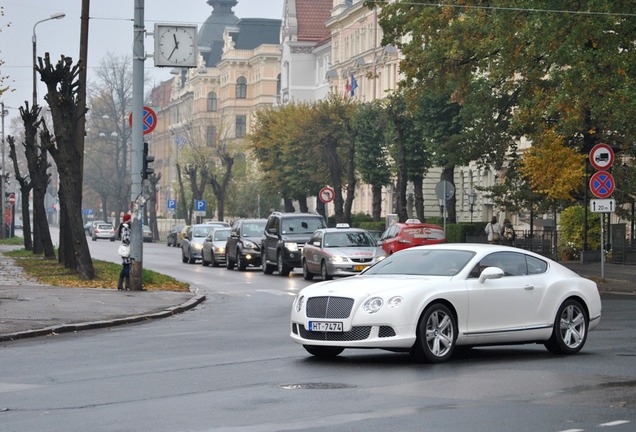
<point>68,109</point>
<point>109,137</point>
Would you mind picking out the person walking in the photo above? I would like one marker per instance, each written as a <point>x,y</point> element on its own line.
<point>493,230</point>
<point>508,235</point>
<point>124,235</point>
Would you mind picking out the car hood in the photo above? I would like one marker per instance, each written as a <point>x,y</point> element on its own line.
<point>356,252</point>
<point>364,286</point>
<point>298,238</point>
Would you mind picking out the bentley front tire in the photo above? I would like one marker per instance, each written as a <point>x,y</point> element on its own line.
<point>436,334</point>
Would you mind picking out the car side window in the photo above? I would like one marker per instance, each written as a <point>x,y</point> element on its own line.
<point>512,263</point>
<point>536,266</point>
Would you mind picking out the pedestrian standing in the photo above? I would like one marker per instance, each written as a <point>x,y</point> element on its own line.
<point>508,235</point>
<point>493,230</point>
<point>124,235</point>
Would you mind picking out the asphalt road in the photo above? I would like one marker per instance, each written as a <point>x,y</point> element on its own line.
<point>229,365</point>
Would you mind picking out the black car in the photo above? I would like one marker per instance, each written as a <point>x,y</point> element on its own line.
<point>243,247</point>
<point>283,240</point>
<point>171,239</point>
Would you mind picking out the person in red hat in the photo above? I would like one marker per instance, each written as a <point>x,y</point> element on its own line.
<point>124,234</point>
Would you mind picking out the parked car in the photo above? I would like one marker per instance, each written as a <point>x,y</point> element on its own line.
<point>171,238</point>
<point>411,233</point>
<point>87,228</point>
<point>147,234</point>
<point>243,246</point>
<point>181,234</point>
<point>283,240</point>
<point>340,251</point>
<point>417,301</point>
<point>192,243</point>
<point>104,231</point>
<point>213,251</point>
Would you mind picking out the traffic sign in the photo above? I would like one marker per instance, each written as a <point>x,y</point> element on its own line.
<point>10,198</point>
<point>172,204</point>
<point>603,205</point>
<point>149,120</point>
<point>326,194</point>
<point>444,190</point>
<point>601,156</point>
<point>602,184</point>
<point>200,205</point>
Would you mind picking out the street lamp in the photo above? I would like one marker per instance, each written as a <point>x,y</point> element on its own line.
<point>472,199</point>
<point>58,15</point>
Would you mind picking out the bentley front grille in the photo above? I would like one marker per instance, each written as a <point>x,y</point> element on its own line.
<point>329,307</point>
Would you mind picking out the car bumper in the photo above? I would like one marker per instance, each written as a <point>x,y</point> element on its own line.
<point>346,269</point>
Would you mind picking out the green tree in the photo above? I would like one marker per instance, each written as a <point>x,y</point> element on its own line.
<point>518,71</point>
<point>371,155</point>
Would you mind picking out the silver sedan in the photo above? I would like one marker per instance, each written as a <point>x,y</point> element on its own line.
<point>340,251</point>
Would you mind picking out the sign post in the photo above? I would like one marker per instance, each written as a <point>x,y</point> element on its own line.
<point>602,186</point>
<point>326,195</point>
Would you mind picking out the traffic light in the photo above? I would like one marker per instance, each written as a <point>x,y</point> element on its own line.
<point>146,171</point>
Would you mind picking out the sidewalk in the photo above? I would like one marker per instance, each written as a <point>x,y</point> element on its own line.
<point>30,309</point>
<point>617,278</point>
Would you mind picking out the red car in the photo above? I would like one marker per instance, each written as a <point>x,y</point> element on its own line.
<point>411,233</point>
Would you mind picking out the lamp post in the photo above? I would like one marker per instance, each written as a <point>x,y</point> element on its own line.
<point>55,16</point>
<point>472,198</point>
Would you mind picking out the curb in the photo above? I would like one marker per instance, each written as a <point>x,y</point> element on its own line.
<point>73,327</point>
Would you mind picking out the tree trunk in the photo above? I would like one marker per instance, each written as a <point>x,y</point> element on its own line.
<point>67,98</point>
<point>376,206</point>
<point>289,205</point>
<point>25,190</point>
<point>418,190</point>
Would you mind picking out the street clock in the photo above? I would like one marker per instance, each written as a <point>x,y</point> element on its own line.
<point>176,45</point>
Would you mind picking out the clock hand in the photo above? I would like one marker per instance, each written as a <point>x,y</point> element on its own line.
<point>176,42</point>
<point>173,50</point>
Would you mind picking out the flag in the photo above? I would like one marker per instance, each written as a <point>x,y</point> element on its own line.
<point>354,85</point>
<point>347,88</point>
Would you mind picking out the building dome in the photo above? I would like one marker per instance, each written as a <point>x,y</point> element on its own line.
<point>211,32</point>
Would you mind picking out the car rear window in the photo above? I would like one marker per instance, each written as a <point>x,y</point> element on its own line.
<point>422,232</point>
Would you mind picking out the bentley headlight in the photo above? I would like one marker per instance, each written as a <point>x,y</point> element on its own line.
<point>299,303</point>
<point>395,302</point>
<point>373,305</point>
<point>291,246</point>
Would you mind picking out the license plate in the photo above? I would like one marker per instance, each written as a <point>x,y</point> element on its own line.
<point>359,267</point>
<point>325,326</point>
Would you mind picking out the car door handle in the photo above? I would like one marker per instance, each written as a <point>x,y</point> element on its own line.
<point>528,287</point>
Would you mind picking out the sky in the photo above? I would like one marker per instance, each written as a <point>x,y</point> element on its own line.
<point>110,31</point>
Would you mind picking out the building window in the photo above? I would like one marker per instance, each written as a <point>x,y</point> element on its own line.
<point>210,138</point>
<point>241,88</point>
<point>241,126</point>
<point>212,101</point>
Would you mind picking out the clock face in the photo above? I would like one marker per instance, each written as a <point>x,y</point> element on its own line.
<point>175,46</point>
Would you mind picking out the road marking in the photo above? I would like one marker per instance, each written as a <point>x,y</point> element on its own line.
<point>573,430</point>
<point>614,423</point>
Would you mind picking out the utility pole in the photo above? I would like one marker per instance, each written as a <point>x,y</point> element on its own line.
<point>2,180</point>
<point>137,199</point>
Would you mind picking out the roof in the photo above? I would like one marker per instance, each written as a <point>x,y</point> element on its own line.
<point>311,16</point>
<point>254,32</point>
